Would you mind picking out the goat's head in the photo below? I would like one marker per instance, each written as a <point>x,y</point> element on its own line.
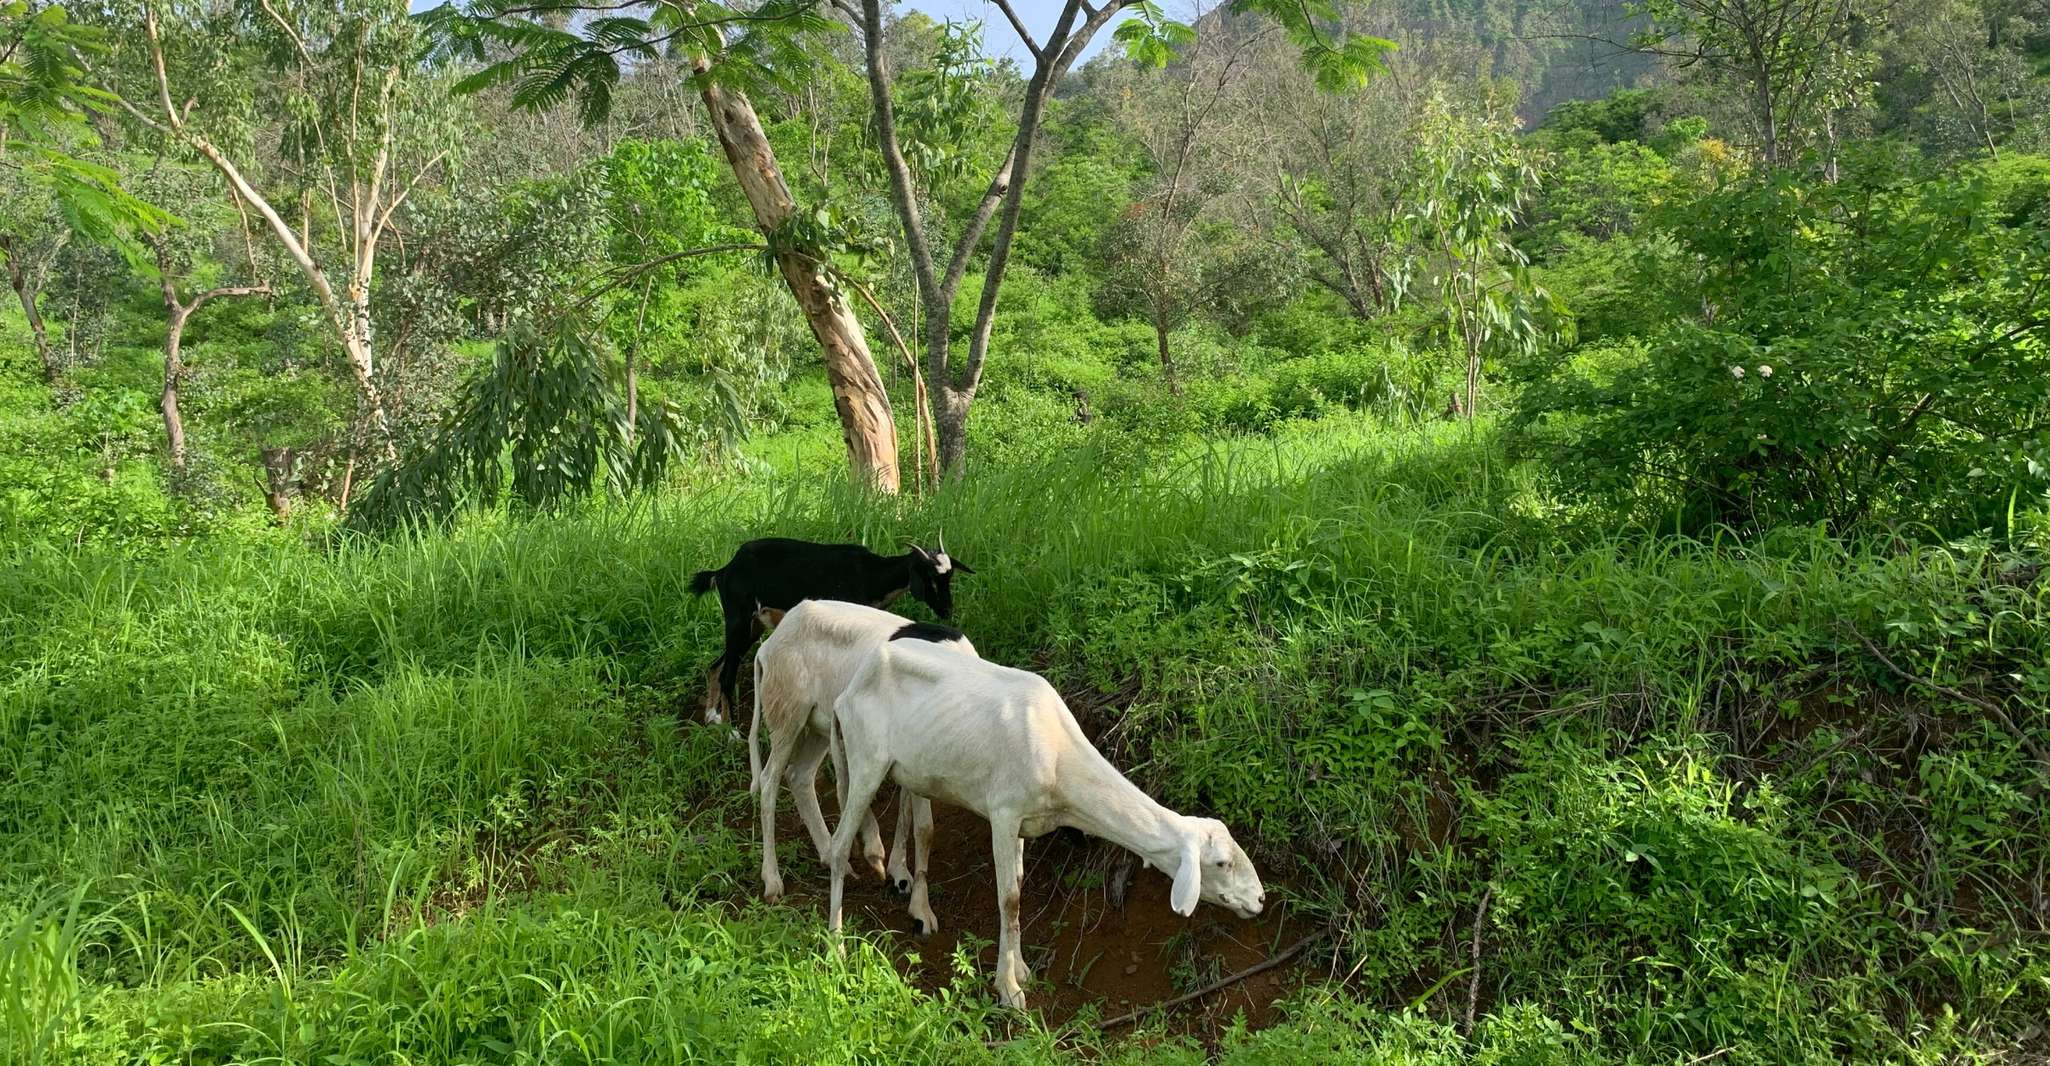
<point>1212,867</point>
<point>932,577</point>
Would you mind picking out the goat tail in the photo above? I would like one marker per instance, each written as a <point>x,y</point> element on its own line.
<point>702,581</point>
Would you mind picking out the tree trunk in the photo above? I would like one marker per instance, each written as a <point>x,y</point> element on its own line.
<point>1166,355</point>
<point>358,350</point>
<point>175,314</point>
<point>1768,123</point>
<point>174,370</point>
<point>866,423</point>
<point>1473,382</point>
<point>950,419</point>
<point>954,430</point>
<point>277,483</point>
<point>1002,202</point>
<point>348,482</point>
<point>52,373</point>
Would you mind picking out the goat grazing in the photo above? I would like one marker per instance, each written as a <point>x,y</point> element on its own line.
<point>775,573</point>
<point>1000,742</point>
<point>800,671</point>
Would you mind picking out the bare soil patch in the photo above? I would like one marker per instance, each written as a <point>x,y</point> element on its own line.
<point>1084,951</point>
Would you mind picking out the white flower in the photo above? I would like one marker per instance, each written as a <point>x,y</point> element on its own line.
<point>1736,371</point>
<point>1765,371</point>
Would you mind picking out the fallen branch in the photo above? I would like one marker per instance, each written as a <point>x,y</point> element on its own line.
<point>1255,970</point>
<point>1473,986</point>
<point>1989,706</point>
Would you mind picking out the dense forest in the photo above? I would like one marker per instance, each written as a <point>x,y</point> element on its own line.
<point>1566,482</point>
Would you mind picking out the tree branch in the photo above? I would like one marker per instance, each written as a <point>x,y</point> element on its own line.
<point>623,275</point>
<point>241,185</point>
<point>1062,46</point>
<point>259,289</point>
<point>901,192</point>
<point>1019,25</point>
<point>1997,711</point>
<point>384,218</point>
<point>971,235</point>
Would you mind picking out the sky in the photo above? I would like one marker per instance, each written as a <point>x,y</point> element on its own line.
<point>997,37</point>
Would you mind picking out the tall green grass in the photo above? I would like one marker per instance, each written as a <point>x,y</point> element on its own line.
<point>429,799</point>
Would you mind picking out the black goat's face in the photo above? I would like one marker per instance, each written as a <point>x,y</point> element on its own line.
<point>932,579</point>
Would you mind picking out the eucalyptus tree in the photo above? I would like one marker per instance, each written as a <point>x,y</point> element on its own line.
<point>729,51</point>
<point>1472,180</point>
<point>363,126</point>
<point>1339,60</point>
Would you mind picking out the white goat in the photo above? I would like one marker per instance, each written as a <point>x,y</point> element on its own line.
<point>815,650</point>
<point>1001,743</point>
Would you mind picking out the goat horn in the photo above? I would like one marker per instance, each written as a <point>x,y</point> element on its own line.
<point>943,540</point>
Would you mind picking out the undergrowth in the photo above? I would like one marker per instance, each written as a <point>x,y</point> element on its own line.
<point>1569,798</point>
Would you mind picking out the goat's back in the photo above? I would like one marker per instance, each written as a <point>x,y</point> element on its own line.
<point>962,730</point>
<point>820,645</point>
<point>780,572</point>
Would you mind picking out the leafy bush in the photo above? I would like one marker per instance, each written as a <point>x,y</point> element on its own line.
<point>1875,349</point>
<point>1601,191</point>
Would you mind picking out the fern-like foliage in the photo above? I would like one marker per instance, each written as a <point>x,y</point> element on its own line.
<point>46,106</point>
<point>553,52</point>
<point>1339,61</point>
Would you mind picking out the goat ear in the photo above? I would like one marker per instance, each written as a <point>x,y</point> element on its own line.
<point>963,567</point>
<point>1188,881</point>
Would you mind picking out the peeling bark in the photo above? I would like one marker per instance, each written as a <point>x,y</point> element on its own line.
<point>866,423</point>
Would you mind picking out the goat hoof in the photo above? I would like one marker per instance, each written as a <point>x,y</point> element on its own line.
<point>918,927</point>
<point>902,885</point>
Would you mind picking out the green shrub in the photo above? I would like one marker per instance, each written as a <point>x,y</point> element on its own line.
<point>1870,351</point>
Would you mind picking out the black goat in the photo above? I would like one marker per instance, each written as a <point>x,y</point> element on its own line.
<point>775,573</point>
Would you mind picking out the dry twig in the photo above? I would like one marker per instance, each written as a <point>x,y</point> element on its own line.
<point>1981,702</point>
<point>1255,970</point>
